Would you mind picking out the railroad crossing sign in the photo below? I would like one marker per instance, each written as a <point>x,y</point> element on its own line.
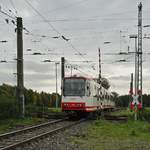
<point>135,103</point>
<point>135,99</point>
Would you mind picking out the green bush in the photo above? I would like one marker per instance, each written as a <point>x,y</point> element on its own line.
<point>35,102</point>
<point>8,108</point>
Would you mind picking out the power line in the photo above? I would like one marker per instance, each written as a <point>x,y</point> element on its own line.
<point>24,28</point>
<point>91,19</point>
<point>12,3</point>
<point>78,69</point>
<point>67,6</point>
<point>6,14</point>
<point>61,36</point>
<point>13,22</point>
<point>45,20</point>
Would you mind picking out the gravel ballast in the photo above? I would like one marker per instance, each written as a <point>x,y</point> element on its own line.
<point>60,141</point>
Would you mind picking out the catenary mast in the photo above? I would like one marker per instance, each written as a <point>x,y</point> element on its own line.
<point>139,53</point>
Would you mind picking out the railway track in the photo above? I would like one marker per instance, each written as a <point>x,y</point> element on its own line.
<point>114,118</point>
<point>21,137</point>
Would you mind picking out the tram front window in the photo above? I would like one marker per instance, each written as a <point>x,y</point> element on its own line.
<point>74,87</point>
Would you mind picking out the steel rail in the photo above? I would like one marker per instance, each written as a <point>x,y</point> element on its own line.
<point>30,128</point>
<point>41,136</point>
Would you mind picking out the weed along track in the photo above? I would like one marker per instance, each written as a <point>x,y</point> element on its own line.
<point>19,138</point>
<point>114,118</point>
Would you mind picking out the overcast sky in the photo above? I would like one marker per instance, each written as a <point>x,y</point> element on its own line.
<point>88,24</point>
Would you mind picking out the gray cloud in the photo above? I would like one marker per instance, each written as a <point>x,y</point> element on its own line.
<point>122,78</point>
<point>88,24</point>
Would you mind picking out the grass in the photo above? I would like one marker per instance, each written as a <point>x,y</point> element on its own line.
<point>9,124</point>
<point>54,110</point>
<point>125,111</point>
<point>145,115</point>
<point>106,135</point>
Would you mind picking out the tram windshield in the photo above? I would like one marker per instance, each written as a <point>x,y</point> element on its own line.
<point>74,87</point>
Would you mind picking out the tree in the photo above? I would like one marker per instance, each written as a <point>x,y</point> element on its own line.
<point>123,101</point>
<point>115,96</point>
<point>105,83</point>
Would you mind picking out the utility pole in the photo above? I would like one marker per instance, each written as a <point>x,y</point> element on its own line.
<point>136,64</point>
<point>133,103</point>
<point>120,41</point>
<point>71,67</point>
<point>56,63</point>
<point>62,73</point>
<point>139,53</point>
<point>99,79</point>
<point>136,73</point>
<point>20,78</point>
<point>137,102</point>
<point>131,85</point>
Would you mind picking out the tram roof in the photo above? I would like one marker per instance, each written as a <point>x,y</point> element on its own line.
<point>79,77</point>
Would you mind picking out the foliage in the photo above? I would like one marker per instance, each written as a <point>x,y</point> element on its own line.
<point>115,96</point>
<point>8,104</point>
<point>105,83</point>
<point>55,110</point>
<point>124,100</point>
<point>35,102</point>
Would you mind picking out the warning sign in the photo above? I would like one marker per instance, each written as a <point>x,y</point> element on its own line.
<point>135,103</point>
<point>135,99</point>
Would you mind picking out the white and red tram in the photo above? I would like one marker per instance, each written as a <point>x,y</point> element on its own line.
<point>81,94</point>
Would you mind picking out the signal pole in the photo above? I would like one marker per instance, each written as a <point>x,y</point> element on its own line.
<point>56,63</point>
<point>136,63</point>
<point>131,85</point>
<point>20,77</point>
<point>62,73</point>
<point>137,102</point>
<point>139,53</point>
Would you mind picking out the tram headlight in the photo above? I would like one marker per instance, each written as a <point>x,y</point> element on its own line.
<point>65,104</point>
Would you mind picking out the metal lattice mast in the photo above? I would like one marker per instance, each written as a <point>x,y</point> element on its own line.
<point>139,53</point>
<point>136,65</point>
